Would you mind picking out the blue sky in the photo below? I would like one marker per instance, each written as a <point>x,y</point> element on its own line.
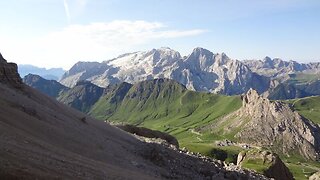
<point>58,33</point>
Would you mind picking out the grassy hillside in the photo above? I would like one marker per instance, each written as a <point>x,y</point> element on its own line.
<point>309,107</point>
<point>164,105</point>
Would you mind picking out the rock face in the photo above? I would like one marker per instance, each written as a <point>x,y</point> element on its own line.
<point>272,165</point>
<point>9,73</point>
<point>276,125</point>
<point>148,133</point>
<point>202,70</point>
<point>315,176</point>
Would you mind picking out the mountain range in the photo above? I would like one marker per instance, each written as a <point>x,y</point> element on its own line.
<point>201,70</point>
<point>50,74</point>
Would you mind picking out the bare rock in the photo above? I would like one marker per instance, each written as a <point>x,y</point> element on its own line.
<point>315,176</point>
<point>9,73</point>
<point>274,167</point>
<point>275,124</point>
<point>145,132</point>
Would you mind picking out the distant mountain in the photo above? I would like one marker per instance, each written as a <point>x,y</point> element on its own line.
<point>296,86</point>
<point>49,87</point>
<point>50,74</point>
<point>82,96</point>
<point>202,70</point>
<point>276,67</point>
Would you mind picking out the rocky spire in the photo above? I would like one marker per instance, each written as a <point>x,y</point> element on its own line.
<point>9,73</point>
<point>2,60</point>
<point>275,124</point>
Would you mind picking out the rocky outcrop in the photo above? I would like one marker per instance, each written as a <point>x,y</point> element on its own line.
<point>9,73</point>
<point>272,165</point>
<point>276,125</point>
<point>315,176</point>
<point>148,133</point>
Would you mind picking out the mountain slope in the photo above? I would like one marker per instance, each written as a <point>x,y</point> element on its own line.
<point>50,87</point>
<point>44,139</point>
<point>82,96</point>
<point>202,70</point>
<point>309,107</point>
<point>164,105</point>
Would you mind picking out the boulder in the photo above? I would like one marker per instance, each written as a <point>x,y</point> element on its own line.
<point>315,176</point>
<point>148,133</point>
<point>265,162</point>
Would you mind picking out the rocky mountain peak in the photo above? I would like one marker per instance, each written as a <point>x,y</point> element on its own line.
<point>201,53</point>
<point>2,60</point>
<point>267,59</point>
<point>221,59</point>
<point>9,73</point>
<point>275,124</point>
<point>251,97</point>
<point>200,50</point>
<point>164,53</point>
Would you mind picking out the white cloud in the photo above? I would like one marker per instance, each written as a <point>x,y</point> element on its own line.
<point>96,41</point>
<point>74,8</point>
<point>66,9</point>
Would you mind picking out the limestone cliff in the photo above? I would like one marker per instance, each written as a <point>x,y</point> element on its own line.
<point>276,125</point>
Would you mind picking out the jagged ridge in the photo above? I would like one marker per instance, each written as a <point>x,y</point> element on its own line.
<point>202,70</point>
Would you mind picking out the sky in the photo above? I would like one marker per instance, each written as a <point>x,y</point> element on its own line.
<point>59,33</point>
